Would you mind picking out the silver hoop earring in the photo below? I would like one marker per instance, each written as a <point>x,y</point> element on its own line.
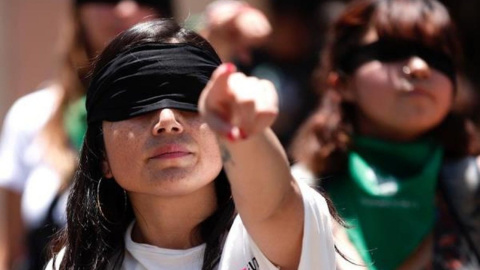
<point>99,205</point>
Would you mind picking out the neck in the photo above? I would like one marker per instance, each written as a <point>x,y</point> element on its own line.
<point>387,132</point>
<point>172,222</point>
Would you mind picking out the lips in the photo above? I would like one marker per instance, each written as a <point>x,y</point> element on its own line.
<point>412,90</point>
<point>170,151</point>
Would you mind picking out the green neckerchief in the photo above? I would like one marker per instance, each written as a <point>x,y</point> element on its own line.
<point>387,197</point>
<point>75,122</point>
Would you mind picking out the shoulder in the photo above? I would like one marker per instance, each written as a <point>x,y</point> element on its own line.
<point>461,175</point>
<point>54,263</point>
<point>241,252</point>
<point>18,148</point>
<point>36,106</point>
<point>460,183</point>
<point>461,167</point>
<point>44,97</point>
<point>318,251</point>
<point>314,202</point>
<point>303,174</point>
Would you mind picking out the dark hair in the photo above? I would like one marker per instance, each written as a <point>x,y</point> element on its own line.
<point>76,55</point>
<point>323,141</point>
<point>94,236</point>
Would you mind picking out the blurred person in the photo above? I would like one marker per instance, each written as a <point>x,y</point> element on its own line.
<point>280,46</point>
<point>176,144</point>
<point>43,130</point>
<point>387,145</point>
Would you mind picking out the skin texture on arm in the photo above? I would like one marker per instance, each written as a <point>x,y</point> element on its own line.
<point>240,110</point>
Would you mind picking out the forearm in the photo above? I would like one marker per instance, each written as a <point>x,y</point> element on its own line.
<point>240,110</point>
<point>266,196</point>
<point>259,174</point>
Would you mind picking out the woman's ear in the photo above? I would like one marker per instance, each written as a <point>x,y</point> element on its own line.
<point>107,172</point>
<point>340,82</point>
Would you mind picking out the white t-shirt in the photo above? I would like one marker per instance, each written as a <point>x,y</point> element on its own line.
<point>240,251</point>
<point>346,248</point>
<point>23,168</point>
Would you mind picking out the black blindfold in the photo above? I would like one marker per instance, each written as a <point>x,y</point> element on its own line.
<point>397,50</point>
<point>148,78</point>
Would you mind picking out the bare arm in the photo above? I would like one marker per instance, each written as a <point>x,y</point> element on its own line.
<point>265,194</point>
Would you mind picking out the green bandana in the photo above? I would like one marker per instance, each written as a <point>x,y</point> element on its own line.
<point>388,198</point>
<point>75,122</point>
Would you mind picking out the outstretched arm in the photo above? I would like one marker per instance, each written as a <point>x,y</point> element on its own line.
<point>241,110</point>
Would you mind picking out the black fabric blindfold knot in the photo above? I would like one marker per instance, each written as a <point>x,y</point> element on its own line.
<point>147,78</point>
<point>397,50</point>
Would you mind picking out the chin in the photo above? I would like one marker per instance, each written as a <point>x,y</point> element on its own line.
<point>180,187</point>
<point>172,174</point>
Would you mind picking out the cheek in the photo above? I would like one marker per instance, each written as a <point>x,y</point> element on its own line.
<point>122,160</point>
<point>372,83</point>
<point>373,76</point>
<point>444,90</point>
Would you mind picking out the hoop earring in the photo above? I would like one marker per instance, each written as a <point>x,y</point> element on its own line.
<point>99,205</point>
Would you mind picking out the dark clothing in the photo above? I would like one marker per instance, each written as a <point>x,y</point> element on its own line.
<point>457,233</point>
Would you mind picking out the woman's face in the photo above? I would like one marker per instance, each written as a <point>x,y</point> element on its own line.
<point>399,100</point>
<point>163,153</point>
<point>103,21</point>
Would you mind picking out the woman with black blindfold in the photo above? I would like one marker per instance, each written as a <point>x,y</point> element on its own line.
<point>391,152</point>
<point>43,130</point>
<point>179,168</point>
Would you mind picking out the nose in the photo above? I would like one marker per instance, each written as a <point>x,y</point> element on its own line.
<point>167,123</point>
<point>126,8</point>
<point>417,68</point>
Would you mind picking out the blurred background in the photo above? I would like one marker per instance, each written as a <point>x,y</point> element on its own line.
<point>29,29</point>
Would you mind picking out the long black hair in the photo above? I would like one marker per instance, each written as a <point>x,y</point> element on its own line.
<point>99,214</point>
